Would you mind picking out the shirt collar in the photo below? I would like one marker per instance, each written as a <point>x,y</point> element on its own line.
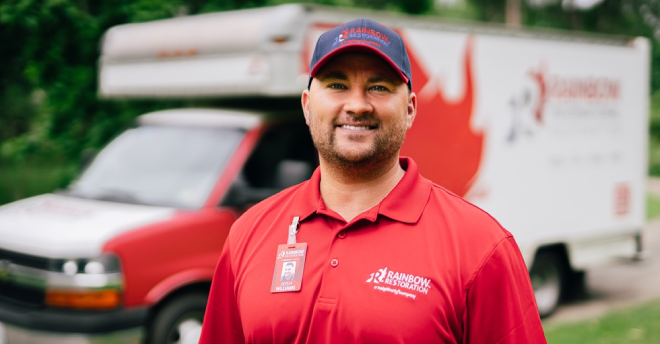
<point>405,203</point>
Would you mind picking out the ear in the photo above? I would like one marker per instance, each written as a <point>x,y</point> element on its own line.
<point>411,109</point>
<point>304,100</point>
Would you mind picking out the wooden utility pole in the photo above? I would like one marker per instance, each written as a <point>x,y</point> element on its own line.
<point>513,16</point>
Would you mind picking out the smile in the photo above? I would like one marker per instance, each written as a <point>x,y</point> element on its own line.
<point>354,127</point>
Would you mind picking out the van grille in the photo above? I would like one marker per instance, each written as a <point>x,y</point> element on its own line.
<point>17,294</point>
<point>24,297</point>
<point>25,260</point>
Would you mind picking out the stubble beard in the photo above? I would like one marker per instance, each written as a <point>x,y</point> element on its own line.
<point>386,145</point>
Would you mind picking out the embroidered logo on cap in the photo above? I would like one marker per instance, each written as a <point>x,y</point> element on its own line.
<point>362,35</point>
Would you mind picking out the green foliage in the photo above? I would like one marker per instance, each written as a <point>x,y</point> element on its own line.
<point>654,135</point>
<point>636,325</point>
<point>652,206</point>
<point>21,179</point>
<point>489,10</point>
<point>406,6</point>
<point>461,10</point>
<point>48,102</point>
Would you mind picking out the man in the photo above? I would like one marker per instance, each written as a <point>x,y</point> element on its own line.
<point>385,256</point>
<point>288,272</point>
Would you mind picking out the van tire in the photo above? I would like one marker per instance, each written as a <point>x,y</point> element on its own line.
<point>179,320</point>
<point>547,275</point>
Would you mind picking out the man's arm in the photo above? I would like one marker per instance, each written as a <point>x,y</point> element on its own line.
<point>500,304</point>
<point>222,323</point>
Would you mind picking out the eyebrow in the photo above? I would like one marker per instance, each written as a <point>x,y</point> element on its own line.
<point>337,75</point>
<point>377,79</point>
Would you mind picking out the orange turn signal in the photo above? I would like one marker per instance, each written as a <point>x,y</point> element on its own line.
<point>84,299</point>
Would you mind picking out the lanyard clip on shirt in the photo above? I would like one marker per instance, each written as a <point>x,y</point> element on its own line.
<point>293,229</point>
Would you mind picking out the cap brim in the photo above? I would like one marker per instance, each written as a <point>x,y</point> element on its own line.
<point>356,47</point>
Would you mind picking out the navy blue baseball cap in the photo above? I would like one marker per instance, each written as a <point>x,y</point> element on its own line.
<point>362,35</point>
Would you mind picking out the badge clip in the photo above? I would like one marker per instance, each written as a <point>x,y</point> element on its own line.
<point>293,229</point>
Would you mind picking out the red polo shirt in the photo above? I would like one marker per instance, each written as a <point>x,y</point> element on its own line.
<point>423,266</point>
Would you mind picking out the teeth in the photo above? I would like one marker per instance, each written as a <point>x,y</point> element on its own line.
<point>352,127</point>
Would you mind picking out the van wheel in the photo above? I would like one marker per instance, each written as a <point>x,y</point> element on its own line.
<point>547,275</point>
<point>179,321</point>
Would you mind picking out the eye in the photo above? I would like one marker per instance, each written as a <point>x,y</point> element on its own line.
<point>380,88</point>
<point>337,86</point>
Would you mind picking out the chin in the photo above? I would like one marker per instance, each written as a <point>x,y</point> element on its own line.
<point>353,153</point>
<point>356,156</point>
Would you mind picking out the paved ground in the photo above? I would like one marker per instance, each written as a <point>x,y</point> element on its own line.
<point>622,284</point>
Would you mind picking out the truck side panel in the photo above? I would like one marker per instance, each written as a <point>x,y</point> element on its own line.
<point>549,136</point>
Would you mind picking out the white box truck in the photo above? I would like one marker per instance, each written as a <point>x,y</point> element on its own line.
<point>546,131</point>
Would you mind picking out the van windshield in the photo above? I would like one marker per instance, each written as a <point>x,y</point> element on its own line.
<point>159,165</point>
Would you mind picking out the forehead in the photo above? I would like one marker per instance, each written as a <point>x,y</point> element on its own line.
<point>355,62</point>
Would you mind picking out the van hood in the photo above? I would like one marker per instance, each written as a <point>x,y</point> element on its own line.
<point>58,226</point>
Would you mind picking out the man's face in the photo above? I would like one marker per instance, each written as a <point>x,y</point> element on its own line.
<point>288,271</point>
<point>358,110</point>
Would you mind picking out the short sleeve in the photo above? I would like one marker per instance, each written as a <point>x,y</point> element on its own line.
<point>500,302</point>
<point>222,322</point>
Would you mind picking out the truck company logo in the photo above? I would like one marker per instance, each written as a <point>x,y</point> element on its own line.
<point>575,88</point>
<point>363,35</point>
<point>573,101</point>
<point>408,285</point>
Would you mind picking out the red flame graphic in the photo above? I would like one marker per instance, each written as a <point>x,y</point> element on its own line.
<point>539,77</point>
<point>442,141</point>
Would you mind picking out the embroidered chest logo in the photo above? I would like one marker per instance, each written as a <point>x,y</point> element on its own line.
<point>408,285</point>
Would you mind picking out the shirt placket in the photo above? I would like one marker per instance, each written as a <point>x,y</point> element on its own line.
<point>324,317</point>
<point>332,268</point>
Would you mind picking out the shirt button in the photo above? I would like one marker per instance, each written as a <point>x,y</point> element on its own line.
<point>334,263</point>
<point>341,235</point>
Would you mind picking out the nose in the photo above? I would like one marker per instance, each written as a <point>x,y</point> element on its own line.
<point>357,104</point>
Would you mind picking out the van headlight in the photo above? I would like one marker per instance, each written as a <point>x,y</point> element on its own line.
<point>90,284</point>
<point>106,263</point>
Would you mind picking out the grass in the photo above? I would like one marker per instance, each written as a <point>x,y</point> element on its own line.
<point>652,206</point>
<point>636,325</point>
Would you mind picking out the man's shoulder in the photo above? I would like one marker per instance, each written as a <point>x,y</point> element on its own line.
<point>461,227</point>
<point>460,212</point>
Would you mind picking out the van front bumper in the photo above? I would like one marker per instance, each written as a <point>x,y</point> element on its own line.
<point>25,325</point>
